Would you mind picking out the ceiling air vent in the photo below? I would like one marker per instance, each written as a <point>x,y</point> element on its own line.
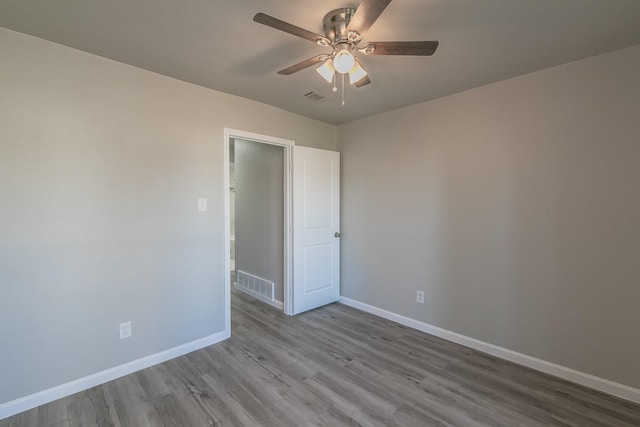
<point>313,96</point>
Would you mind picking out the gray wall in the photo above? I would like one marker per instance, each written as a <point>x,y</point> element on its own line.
<point>101,165</point>
<point>515,208</point>
<point>259,172</point>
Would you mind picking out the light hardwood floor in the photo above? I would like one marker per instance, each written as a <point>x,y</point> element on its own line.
<point>332,366</point>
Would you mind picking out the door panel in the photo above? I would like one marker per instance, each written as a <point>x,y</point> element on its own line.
<point>316,275</point>
<point>316,220</point>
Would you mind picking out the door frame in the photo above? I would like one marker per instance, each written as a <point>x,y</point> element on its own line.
<point>288,193</point>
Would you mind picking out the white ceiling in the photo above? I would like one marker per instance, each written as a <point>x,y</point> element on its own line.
<point>215,43</point>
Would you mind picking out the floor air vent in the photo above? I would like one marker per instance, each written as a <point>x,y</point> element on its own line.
<point>255,286</point>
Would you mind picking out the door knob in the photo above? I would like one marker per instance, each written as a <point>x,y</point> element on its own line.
<point>337,234</point>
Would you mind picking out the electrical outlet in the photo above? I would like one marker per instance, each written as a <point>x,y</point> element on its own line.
<point>125,330</point>
<point>420,297</point>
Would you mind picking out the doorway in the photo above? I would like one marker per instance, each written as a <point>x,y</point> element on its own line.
<point>257,219</point>
<point>311,213</point>
<point>258,226</point>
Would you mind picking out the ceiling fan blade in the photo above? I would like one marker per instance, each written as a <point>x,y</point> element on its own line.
<point>366,15</point>
<point>362,82</point>
<point>270,21</point>
<point>426,48</point>
<point>304,64</point>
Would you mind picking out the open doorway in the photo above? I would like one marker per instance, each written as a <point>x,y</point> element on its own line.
<point>311,213</point>
<point>258,210</point>
<point>256,173</point>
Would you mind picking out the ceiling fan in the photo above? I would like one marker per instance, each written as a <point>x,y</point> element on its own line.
<point>344,29</point>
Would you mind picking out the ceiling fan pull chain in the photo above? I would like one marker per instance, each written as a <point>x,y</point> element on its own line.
<point>342,90</point>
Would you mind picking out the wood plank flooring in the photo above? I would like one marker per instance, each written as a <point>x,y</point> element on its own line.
<point>333,366</point>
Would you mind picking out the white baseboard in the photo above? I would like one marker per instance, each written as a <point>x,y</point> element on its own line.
<point>275,303</point>
<point>587,380</point>
<point>40,398</point>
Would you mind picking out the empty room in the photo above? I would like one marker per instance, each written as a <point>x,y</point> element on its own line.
<point>319,213</point>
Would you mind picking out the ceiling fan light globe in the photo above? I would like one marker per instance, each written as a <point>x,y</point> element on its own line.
<point>344,61</point>
<point>326,70</point>
<point>357,73</point>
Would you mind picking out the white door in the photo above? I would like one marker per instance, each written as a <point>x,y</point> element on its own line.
<point>316,228</point>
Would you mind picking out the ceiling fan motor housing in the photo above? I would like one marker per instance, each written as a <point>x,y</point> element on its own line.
<point>335,24</point>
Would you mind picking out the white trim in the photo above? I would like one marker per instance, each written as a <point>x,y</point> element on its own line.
<point>49,395</point>
<point>287,253</point>
<point>275,303</point>
<point>256,137</point>
<point>582,378</point>
<point>227,231</point>
<point>287,288</point>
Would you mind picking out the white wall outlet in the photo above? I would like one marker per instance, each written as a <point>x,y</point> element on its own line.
<point>420,297</point>
<point>125,330</point>
<point>202,204</point>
